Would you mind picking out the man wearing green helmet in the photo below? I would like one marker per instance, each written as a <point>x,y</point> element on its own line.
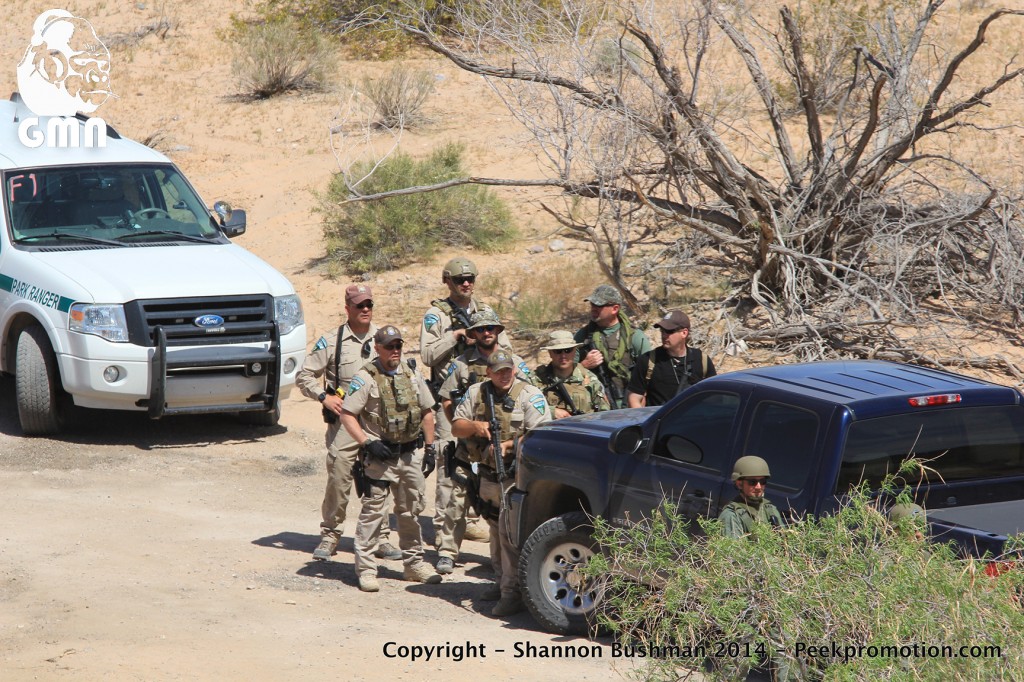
<point>750,475</point>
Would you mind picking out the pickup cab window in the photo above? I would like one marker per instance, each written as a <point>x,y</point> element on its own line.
<point>785,437</point>
<point>959,444</point>
<point>699,430</point>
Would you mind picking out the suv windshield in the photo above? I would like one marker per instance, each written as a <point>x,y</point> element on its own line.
<point>104,204</point>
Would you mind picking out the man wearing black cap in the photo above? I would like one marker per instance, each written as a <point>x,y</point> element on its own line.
<point>518,407</point>
<point>388,410</point>
<point>610,344</point>
<point>667,370</point>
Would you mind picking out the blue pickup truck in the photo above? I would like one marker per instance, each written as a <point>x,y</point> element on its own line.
<point>822,427</point>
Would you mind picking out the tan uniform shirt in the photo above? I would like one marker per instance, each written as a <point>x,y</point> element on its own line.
<point>456,374</point>
<point>363,399</point>
<point>437,335</point>
<point>530,409</point>
<point>354,354</point>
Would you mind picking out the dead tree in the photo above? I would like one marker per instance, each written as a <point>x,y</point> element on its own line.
<point>710,138</point>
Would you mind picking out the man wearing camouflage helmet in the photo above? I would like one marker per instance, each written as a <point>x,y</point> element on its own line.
<point>324,376</point>
<point>610,343</point>
<point>518,407</point>
<point>569,388</point>
<point>388,412</point>
<point>443,337</point>
<point>467,369</point>
<point>750,475</point>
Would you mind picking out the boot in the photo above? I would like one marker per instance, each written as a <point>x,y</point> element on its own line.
<point>507,605</point>
<point>477,532</point>
<point>327,547</point>
<point>421,573</point>
<point>368,583</point>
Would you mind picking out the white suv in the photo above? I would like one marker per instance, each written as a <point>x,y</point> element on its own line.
<point>120,290</point>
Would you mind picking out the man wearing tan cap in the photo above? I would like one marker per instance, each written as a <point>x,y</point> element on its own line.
<point>325,374</point>
<point>518,408</point>
<point>660,375</point>
<point>388,411</point>
<point>569,388</point>
<point>610,343</point>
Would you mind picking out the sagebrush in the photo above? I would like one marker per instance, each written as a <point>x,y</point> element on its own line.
<point>276,57</point>
<point>852,578</point>
<point>387,234</point>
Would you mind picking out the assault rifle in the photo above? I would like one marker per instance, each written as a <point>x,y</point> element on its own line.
<point>563,393</point>
<point>495,426</point>
<point>605,376</point>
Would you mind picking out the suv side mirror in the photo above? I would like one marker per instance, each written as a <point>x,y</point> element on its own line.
<point>232,221</point>
<point>627,440</point>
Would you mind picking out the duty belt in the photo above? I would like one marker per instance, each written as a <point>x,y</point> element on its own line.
<point>401,448</point>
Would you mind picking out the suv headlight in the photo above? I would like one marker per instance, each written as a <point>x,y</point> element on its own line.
<point>106,321</point>
<point>288,312</point>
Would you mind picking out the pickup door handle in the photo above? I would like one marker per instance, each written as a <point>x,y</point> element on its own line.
<point>696,495</point>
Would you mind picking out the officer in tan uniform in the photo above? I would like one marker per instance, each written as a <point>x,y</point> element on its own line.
<point>518,407</point>
<point>325,374</point>
<point>467,369</point>
<point>569,388</point>
<point>388,411</point>
<point>443,337</point>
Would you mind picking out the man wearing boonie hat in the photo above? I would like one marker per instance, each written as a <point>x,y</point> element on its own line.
<point>461,373</point>
<point>444,336</point>
<point>660,375</point>
<point>388,411</point>
<point>610,343</point>
<point>324,376</point>
<point>518,407</point>
<point>569,388</point>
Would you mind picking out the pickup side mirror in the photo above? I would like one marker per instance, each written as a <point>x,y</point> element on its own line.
<point>627,440</point>
<point>232,221</point>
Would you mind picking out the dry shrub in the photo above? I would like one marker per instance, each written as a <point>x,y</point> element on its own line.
<point>276,57</point>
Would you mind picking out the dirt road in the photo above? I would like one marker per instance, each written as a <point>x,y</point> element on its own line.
<point>180,550</point>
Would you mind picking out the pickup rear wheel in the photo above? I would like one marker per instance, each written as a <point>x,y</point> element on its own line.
<point>553,590</point>
<point>37,385</point>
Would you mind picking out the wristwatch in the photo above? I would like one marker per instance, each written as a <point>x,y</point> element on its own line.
<point>322,397</point>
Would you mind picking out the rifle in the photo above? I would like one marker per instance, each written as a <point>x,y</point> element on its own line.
<point>495,426</point>
<point>563,393</point>
<point>605,377</point>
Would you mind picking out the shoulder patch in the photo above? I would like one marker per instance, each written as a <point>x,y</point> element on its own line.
<point>524,369</point>
<point>320,344</point>
<point>539,403</point>
<point>355,385</point>
<point>429,320</point>
<point>449,370</point>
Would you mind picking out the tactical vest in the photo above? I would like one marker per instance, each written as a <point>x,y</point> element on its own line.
<point>400,406</point>
<point>476,447</point>
<point>615,348</point>
<point>579,392</point>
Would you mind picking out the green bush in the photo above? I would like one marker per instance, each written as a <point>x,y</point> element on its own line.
<point>276,57</point>
<point>385,234</point>
<point>852,579</point>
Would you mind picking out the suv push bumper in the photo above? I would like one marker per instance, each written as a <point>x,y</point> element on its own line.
<point>210,357</point>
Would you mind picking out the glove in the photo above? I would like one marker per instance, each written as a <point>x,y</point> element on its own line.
<point>429,459</point>
<point>377,450</point>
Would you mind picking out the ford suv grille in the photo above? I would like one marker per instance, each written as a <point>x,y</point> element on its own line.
<point>245,319</point>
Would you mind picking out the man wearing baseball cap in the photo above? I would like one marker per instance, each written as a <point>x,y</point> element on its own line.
<point>324,376</point>
<point>610,344</point>
<point>388,411</point>
<point>518,407</point>
<point>663,373</point>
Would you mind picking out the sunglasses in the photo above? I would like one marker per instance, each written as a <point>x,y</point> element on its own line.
<point>756,481</point>
<point>394,345</point>
<point>365,305</point>
<point>563,351</point>
<point>463,279</point>
<point>486,328</point>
